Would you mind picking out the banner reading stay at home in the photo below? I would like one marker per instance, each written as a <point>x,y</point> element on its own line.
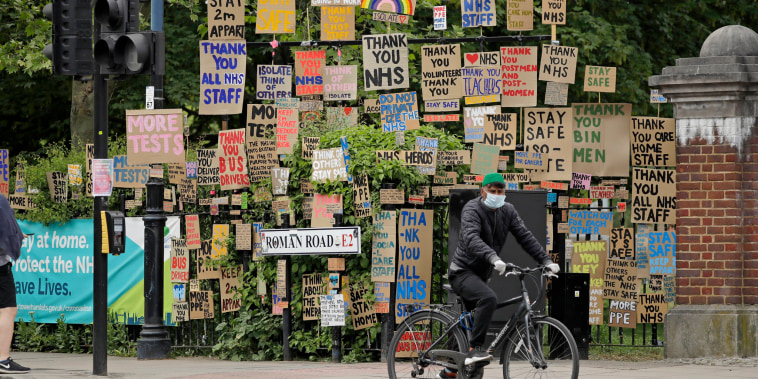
<point>54,275</point>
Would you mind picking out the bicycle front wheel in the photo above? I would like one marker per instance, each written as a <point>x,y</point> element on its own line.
<point>549,352</point>
<point>423,331</point>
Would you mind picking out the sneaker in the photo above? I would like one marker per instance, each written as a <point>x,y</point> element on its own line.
<point>447,374</point>
<point>477,355</point>
<point>8,366</point>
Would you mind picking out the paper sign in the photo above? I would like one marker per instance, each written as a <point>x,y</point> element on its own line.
<point>442,117</point>
<point>500,130</point>
<point>554,12</point>
<point>473,121</point>
<point>244,236</point>
<point>484,159</point>
<point>584,221</point>
<point>220,234</point>
<point>440,17</point>
<point>662,253</point>
<point>222,76</point>
<point>481,80</point>
<point>653,141</point>
<point>324,208</point>
<point>362,315</point>
<point>530,160</point>
<point>277,17</point>
<point>548,130</point>
<point>601,192</point>
<point>313,288</point>
<point>518,66</point>
<point>340,82</point>
<point>309,68</point>
<point>651,308</point>
<point>580,181</point>
<point>274,82</point>
<point>415,249</point>
<point>208,167</point>
<point>280,177</point>
<point>332,310</point>
<point>656,98</point>
<point>337,23</point>
<point>261,157</point>
<point>384,241</point>
<point>589,257</point>
<point>192,225</point>
<point>361,197</point>
<point>56,183</point>
<point>600,79</point>
<point>281,278</point>
<point>320,3</point>
<point>74,174</point>
<point>483,99</point>
<point>620,280</point>
<point>622,313</point>
<point>558,64</point>
<point>232,159</point>
<point>155,136</point>
<point>669,288</point>
<point>102,177</point>
<point>391,196</point>
<point>200,305</point>
<point>283,205</point>
<point>478,13</point>
<point>391,17</point>
<point>341,117</point>
<point>328,164</point>
<point>226,19</point>
<point>399,111</point>
<point>488,58</point>
<point>188,191</point>
<point>520,15</point>
<point>179,261</point>
<point>385,61</point>
<point>556,94</point>
<point>257,245</point>
<point>453,105</point>
<point>393,6</point>
<point>287,130</point>
<point>441,72</point>
<point>454,157</point>
<point>601,139</point>
<point>230,283</point>
<point>653,196</point>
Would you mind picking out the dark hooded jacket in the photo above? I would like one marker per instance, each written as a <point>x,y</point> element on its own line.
<point>482,236</point>
<point>11,236</point>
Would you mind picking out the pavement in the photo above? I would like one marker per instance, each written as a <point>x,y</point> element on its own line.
<point>53,365</point>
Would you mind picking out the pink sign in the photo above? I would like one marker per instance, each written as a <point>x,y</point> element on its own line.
<point>155,136</point>
<point>580,181</point>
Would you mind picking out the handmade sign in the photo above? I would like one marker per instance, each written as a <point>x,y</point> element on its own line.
<point>641,250</point>
<point>548,130</point>
<point>589,257</point>
<point>188,191</point>
<point>243,237</point>
<point>653,141</point>
<point>600,79</point>
<point>337,23</point>
<point>481,81</point>
<point>558,64</point>
<point>473,121</point>
<point>392,6</point>
<point>341,117</point>
<point>287,130</point>
<point>280,177</point>
<point>324,208</point>
<point>222,77</point>
<point>415,249</point>
<point>554,12</point>
<point>201,305</point>
<point>283,205</point>
<point>101,178</point>
<point>384,240</point>
<point>340,82</point>
<point>275,16</point>
<point>192,231</point>
<point>328,164</point>
<point>662,253</point>
<point>556,94</point>
<point>669,288</point>
<point>391,196</point>
<point>441,72</point>
<point>580,181</point>
<point>622,244</point>
<point>261,157</point>
<point>487,58</point>
<point>478,13</point>
<point>274,82</point>
<point>179,261</point>
<point>582,221</point>
<point>602,192</point>
<point>257,245</point>
<point>208,170</point>
<point>620,280</point>
<point>622,313</point>
<point>454,157</point>
<point>56,183</point>
<point>361,197</point>
<point>320,3</point>
<point>381,297</point>
<point>230,283</point>
<point>530,160</point>
<point>453,105</point>
<point>427,145</point>
<point>653,196</point>
<point>362,314</point>
<point>281,278</point>
<point>309,72</point>
<point>520,15</point>
<point>601,138</point>
<point>220,234</point>
<point>651,308</point>
<point>226,19</point>
<point>74,174</point>
<point>155,136</point>
<point>180,311</point>
<point>176,171</point>
<point>332,310</point>
<point>656,98</point>
<point>518,66</point>
<point>308,145</point>
<point>484,159</point>
<point>399,111</point>
<point>313,288</point>
<point>500,130</point>
<point>391,17</point>
<point>232,159</point>
<point>385,61</point>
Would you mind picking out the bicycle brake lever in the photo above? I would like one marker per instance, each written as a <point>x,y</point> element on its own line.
<point>509,273</point>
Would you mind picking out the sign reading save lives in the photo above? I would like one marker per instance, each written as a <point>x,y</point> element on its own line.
<point>311,241</point>
<point>222,76</point>
<point>155,136</point>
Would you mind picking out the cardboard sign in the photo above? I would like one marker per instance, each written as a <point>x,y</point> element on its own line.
<point>662,253</point>
<point>554,12</point>
<point>442,117</point>
<point>243,236</point>
<point>363,316</point>
<point>361,197</point>
<point>320,3</point>
<point>208,171</point>
<point>548,130</point>
<point>257,244</point>
<point>188,191</point>
<point>558,64</point>
<point>651,308</point>
<point>653,196</point>
<point>390,17</point>
<point>454,157</point>
<point>399,111</point>
<point>427,145</point>
<point>180,311</point>
<point>446,178</point>
<point>226,19</point>
<point>222,76</point>
<point>384,240</point>
<point>653,141</point>
<point>328,164</point>
<point>600,79</point>
<point>21,202</point>
<point>601,138</point>
<point>308,145</point>
<point>309,72</point>
<point>520,15</point>
<point>280,177</point>
<point>385,61</point>
<point>478,13</point>
<point>669,288</point>
<point>340,82</point>
<point>473,121</point>
<point>530,160</point>
<point>155,136</point>
<point>391,196</point>
<point>332,310</point>
<point>287,130</point>
<point>261,157</point>
<point>274,82</point>
<point>336,264</point>
<point>484,159</point>
<point>371,106</point>
<point>589,257</point>
<point>232,159</point>
<point>392,6</point>
<point>176,171</point>
<point>220,234</point>
<point>342,117</point>
<point>622,244</point>
<point>415,249</point>
<point>481,80</point>
<point>620,280</point>
<point>281,278</point>
<point>275,17</point>
<point>56,183</point>
<point>313,288</point>
<point>556,94</point>
<point>179,261</point>
<point>657,98</point>
<point>382,297</point>
<point>500,130</point>
<point>230,283</point>
<point>201,305</point>
<point>488,58</point>
<point>440,17</point>
<point>518,66</point>
<point>441,72</point>
<point>192,231</point>
<point>453,105</point>
<point>324,208</point>
<point>584,221</point>
<point>337,23</point>
<point>282,205</point>
<point>622,313</point>
<point>474,100</point>
<point>602,192</point>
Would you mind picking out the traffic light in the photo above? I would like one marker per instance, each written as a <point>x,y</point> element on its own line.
<point>122,48</point>
<point>71,50</point>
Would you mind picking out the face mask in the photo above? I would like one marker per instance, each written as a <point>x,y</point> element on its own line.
<point>494,201</point>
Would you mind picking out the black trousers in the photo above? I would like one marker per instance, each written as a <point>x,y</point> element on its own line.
<point>475,295</point>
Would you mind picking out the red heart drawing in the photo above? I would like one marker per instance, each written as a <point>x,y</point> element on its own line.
<point>472,58</point>
<point>348,110</point>
<point>402,19</point>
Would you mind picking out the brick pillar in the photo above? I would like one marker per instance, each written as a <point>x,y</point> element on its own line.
<point>715,99</point>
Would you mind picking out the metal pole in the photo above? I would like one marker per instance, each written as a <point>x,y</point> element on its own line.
<point>337,330</point>
<point>287,311</point>
<point>156,24</point>
<point>388,319</point>
<point>154,342</point>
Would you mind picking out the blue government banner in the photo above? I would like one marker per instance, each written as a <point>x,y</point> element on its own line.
<point>54,275</point>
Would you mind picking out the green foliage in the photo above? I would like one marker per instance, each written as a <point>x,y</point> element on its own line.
<point>70,338</point>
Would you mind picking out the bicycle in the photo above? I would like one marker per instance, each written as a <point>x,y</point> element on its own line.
<point>535,345</point>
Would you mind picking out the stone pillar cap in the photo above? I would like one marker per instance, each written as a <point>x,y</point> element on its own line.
<point>729,41</point>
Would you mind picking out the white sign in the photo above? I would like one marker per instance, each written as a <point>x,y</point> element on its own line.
<point>102,177</point>
<point>332,310</point>
<point>149,97</point>
<point>440,17</point>
<point>312,241</point>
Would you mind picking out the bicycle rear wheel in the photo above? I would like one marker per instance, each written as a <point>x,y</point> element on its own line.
<point>550,352</point>
<point>421,331</point>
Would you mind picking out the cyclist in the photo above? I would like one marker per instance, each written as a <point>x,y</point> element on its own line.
<point>485,223</point>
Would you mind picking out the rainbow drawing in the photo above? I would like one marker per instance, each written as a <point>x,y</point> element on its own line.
<point>393,6</point>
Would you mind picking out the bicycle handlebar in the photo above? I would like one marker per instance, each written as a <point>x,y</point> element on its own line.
<point>512,269</point>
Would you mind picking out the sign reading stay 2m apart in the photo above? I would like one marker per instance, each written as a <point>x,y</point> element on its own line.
<point>311,241</point>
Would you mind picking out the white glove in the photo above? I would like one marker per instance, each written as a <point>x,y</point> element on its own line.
<point>499,266</point>
<point>554,268</point>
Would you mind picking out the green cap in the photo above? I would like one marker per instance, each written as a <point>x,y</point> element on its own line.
<point>493,178</point>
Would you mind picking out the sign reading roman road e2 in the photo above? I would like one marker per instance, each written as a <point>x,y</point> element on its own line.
<point>311,241</point>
